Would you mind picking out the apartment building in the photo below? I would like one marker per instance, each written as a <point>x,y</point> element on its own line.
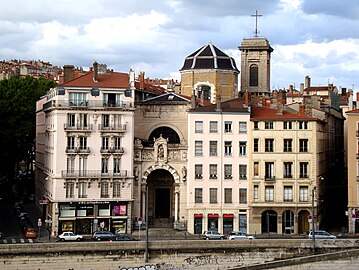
<point>286,160</point>
<point>84,153</point>
<point>217,183</point>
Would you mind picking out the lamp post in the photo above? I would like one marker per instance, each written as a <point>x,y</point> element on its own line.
<point>146,209</point>
<point>313,232</point>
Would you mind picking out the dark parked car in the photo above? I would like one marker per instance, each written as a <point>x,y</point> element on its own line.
<point>102,235</point>
<point>122,238</point>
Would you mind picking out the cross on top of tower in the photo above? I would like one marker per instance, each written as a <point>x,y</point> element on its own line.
<point>256,32</point>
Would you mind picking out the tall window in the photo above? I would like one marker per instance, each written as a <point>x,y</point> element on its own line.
<point>227,195</point>
<point>255,145</point>
<point>255,192</point>
<point>256,125</point>
<point>242,195</point>
<point>242,127</point>
<point>213,148</point>
<point>71,142</point>
<point>288,193</point>
<point>303,145</point>
<point>242,222</point>
<point>77,99</point>
<point>116,165</point>
<point>198,127</point>
<point>105,143</point>
<point>117,143</point>
<point>83,120</point>
<point>212,195</point>
<point>242,171</point>
<point>71,120</point>
<point>228,126</point>
<point>213,171</point>
<point>82,165</point>
<point>227,171</point>
<point>256,168</point>
<point>104,190</point>
<point>287,143</point>
<point>82,189</point>
<point>287,125</point>
<point>303,194</point>
<point>116,189</point>
<point>288,170</point>
<point>269,145</point>
<point>268,125</point>
<point>303,169</point>
<point>198,195</point>
<point>70,189</point>
<point>253,75</point>
<point>198,168</point>
<point>213,127</point>
<point>70,165</point>
<point>303,125</point>
<point>269,191</point>
<point>242,148</point>
<point>105,120</point>
<point>198,148</point>
<point>104,165</point>
<point>228,148</point>
<point>83,143</point>
<point>269,172</point>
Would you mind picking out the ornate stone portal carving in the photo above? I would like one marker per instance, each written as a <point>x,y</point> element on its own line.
<point>160,149</point>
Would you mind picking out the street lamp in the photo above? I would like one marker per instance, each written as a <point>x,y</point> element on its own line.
<point>146,209</point>
<point>313,232</point>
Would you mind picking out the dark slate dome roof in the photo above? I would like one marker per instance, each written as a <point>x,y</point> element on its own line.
<point>209,57</point>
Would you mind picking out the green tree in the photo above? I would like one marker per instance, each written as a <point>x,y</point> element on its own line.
<point>18,98</point>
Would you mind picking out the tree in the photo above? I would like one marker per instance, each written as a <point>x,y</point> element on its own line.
<point>18,98</point>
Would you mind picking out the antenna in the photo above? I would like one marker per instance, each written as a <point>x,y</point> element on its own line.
<point>256,32</point>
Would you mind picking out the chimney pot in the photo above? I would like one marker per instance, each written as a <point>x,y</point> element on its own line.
<point>68,72</point>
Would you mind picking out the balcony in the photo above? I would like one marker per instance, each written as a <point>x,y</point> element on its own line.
<point>94,174</point>
<point>89,104</point>
<point>198,176</point>
<point>68,127</point>
<point>227,176</point>
<point>269,178</point>
<point>112,150</point>
<point>77,150</point>
<point>112,128</point>
<point>213,176</point>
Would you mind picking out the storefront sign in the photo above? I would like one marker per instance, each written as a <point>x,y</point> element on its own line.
<point>123,210</point>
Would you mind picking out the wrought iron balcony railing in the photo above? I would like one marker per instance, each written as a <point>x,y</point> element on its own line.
<point>117,128</point>
<point>88,104</point>
<point>77,127</point>
<point>93,174</point>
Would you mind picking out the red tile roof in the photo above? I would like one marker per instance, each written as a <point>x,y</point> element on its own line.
<point>108,80</point>
<point>151,88</point>
<point>233,105</point>
<point>265,113</point>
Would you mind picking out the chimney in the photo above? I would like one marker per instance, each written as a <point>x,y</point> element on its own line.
<point>307,81</point>
<point>95,71</point>
<point>193,100</point>
<point>132,78</point>
<point>142,80</point>
<point>301,89</point>
<point>68,73</point>
<point>218,103</point>
<point>291,89</point>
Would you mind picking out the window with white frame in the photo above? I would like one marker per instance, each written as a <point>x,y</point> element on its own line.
<point>288,193</point>
<point>70,168</point>
<point>256,168</point>
<point>213,148</point>
<point>228,148</point>
<point>104,189</point>
<point>303,194</point>
<point>71,142</point>
<point>117,143</point>
<point>116,189</point>
<point>105,143</point>
<point>198,148</point>
<point>227,195</point>
<point>83,119</point>
<point>82,165</point>
<point>198,195</point>
<point>287,169</point>
<point>287,125</point>
<point>213,126</point>
<point>71,120</point>
<point>77,98</point>
<point>242,171</point>
<point>255,145</point>
<point>303,145</point>
<point>269,145</point>
<point>287,145</point>
<point>70,186</point>
<point>303,169</point>
<point>104,165</point>
<point>116,165</point>
<point>303,125</point>
<point>213,171</point>
<point>269,193</point>
<point>198,169</point>
<point>105,120</point>
<point>255,192</point>
<point>82,189</point>
<point>269,170</point>
<point>227,171</point>
<point>227,126</point>
<point>83,142</point>
<point>198,126</point>
<point>242,127</point>
<point>212,195</point>
<point>242,148</point>
<point>242,195</point>
<point>268,125</point>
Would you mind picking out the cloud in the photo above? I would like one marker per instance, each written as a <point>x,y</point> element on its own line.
<point>348,9</point>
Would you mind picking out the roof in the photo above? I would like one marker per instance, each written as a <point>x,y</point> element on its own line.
<point>209,57</point>
<point>265,113</point>
<point>353,111</point>
<point>105,80</point>
<point>233,105</point>
<point>150,88</point>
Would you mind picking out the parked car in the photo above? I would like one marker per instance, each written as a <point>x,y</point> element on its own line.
<point>213,235</point>
<point>122,238</point>
<point>239,236</point>
<point>321,234</point>
<point>70,236</point>
<point>102,235</point>
<point>30,232</point>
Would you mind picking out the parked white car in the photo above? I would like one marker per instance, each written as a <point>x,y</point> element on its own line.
<point>320,234</point>
<point>70,236</point>
<point>239,236</point>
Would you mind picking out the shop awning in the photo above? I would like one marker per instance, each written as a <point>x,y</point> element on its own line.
<point>198,215</point>
<point>228,215</point>
<point>213,216</point>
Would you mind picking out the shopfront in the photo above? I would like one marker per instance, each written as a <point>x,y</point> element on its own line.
<point>213,222</point>
<point>227,223</point>
<point>198,223</point>
<point>88,217</point>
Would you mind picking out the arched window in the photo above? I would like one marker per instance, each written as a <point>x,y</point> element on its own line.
<point>206,92</point>
<point>253,75</point>
<point>166,132</point>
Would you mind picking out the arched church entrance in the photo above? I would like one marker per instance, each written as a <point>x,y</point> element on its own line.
<point>160,198</point>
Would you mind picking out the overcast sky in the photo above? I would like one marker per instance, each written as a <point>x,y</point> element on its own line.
<point>310,37</point>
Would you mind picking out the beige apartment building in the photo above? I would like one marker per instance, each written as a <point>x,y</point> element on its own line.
<point>217,181</point>
<point>84,153</point>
